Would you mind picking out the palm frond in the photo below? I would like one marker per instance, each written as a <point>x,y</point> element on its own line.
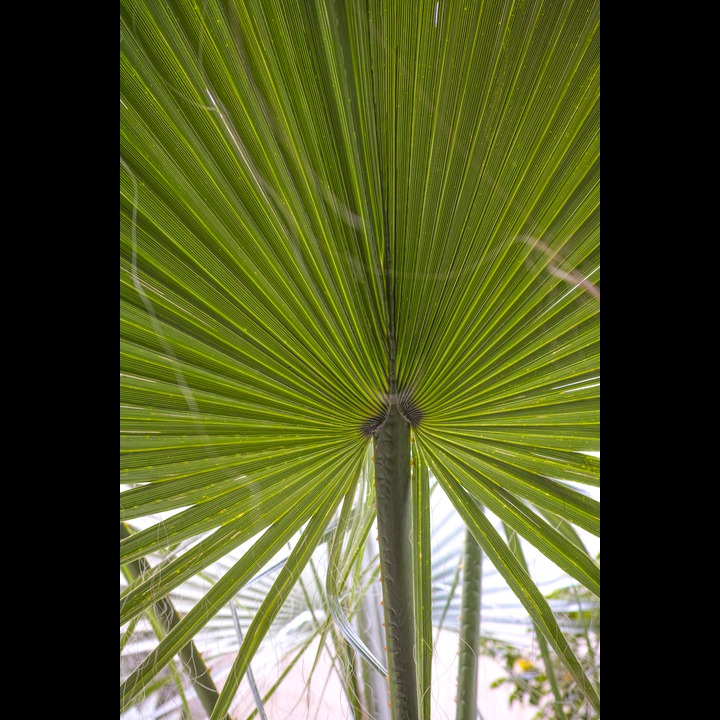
<point>329,210</point>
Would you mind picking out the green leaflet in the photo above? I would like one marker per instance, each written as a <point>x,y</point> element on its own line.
<point>517,578</point>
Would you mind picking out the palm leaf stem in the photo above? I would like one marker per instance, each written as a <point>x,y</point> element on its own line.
<point>191,657</point>
<point>394,520</point>
<point>469,648</point>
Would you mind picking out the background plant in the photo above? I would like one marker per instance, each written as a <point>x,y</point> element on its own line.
<point>543,682</point>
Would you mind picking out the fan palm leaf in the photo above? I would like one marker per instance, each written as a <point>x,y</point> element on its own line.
<point>335,213</point>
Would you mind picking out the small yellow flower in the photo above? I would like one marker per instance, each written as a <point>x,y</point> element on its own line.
<point>521,665</point>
